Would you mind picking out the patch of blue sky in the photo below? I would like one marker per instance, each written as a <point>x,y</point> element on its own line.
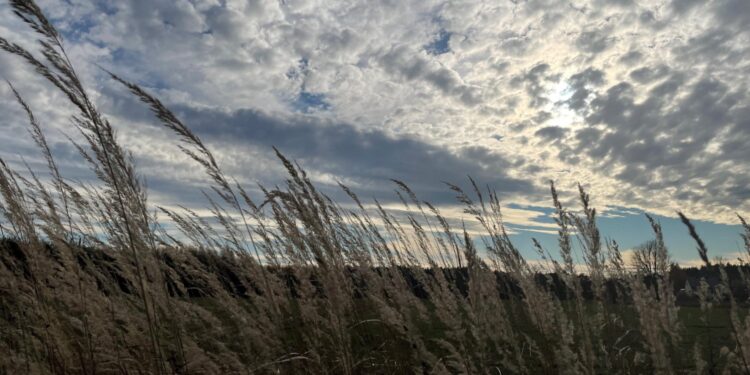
<point>630,228</point>
<point>307,102</point>
<point>77,30</point>
<point>440,45</point>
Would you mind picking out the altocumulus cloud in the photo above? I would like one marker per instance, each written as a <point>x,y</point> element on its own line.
<point>644,101</point>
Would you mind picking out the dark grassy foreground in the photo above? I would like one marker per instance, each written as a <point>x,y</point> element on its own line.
<point>91,283</point>
<point>92,320</point>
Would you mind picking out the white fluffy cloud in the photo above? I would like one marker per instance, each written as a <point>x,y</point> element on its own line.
<point>642,101</point>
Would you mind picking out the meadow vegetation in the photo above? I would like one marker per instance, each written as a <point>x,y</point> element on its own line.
<point>92,283</point>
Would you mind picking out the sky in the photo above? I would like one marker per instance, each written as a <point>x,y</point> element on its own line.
<point>644,103</point>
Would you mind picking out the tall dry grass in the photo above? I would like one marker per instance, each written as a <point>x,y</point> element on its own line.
<point>90,282</point>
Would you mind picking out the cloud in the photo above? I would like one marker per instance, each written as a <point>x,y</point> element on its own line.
<point>403,62</point>
<point>368,159</point>
<point>733,13</point>
<point>551,133</point>
<point>592,41</point>
<point>663,141</point>
<point>647,74</point>
<point>581,84</point>
<point>643,102</point>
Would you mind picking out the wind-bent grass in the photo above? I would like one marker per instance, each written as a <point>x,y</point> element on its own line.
<point>90,283</point>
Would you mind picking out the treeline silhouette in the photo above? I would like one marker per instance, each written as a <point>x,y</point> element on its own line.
<point>232,278</point>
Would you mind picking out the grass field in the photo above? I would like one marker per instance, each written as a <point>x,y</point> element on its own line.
<point>92,283</point>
